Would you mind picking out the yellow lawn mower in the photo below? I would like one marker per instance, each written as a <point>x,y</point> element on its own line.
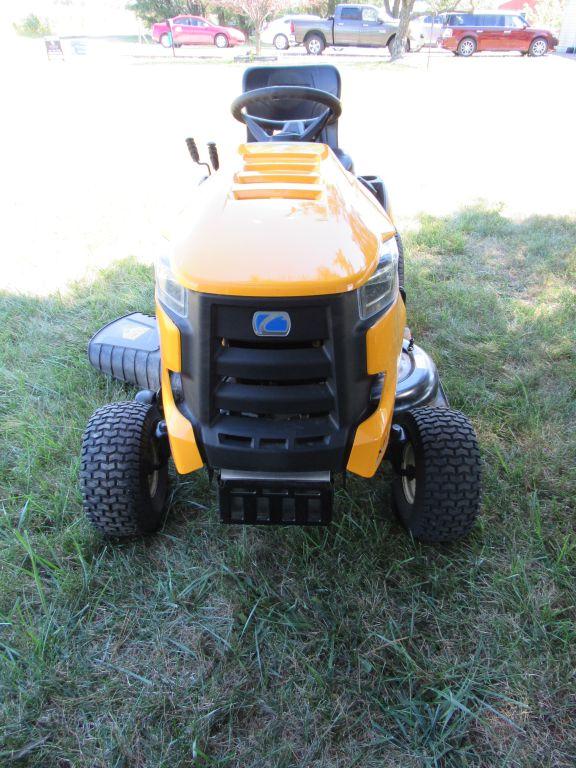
<point>279,357</point>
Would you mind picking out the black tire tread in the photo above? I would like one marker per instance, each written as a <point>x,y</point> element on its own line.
<point>115,445</point>
<point>448,501</point>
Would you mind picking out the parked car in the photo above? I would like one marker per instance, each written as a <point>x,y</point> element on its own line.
<point>358,25</point>
<point>280,32</point>
<point>466,33</point>
<point>194,30</point>
<point>426,30</point>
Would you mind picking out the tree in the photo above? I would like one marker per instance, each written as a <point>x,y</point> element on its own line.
<point>258,11</point>
<point>151,11</point>
<point>546,14</point>
<point>403,11</point>
<point>32,26</point>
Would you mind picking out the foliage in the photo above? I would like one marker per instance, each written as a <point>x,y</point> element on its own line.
<point>151,11</point>
<point>247,14</point>
<point>257,12</point>
<point>32,26</point>
<point>546,14</point>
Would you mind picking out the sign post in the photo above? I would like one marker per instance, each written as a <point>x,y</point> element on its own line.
<point>171,33</point>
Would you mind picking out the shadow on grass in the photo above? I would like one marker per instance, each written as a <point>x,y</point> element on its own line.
<point>323,647</point>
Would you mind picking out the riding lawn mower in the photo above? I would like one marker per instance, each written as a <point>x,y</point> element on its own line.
<point>279,358</point>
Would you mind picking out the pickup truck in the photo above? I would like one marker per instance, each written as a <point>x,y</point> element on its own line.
<point>358,25</point>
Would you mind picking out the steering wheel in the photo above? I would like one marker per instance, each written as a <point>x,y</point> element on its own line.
<point>306,129</point>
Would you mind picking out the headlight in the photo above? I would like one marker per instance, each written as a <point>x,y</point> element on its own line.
<point>382,287</point>
<point>169,291</point>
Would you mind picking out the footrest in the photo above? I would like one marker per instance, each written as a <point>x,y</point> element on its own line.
<point>268,498</point>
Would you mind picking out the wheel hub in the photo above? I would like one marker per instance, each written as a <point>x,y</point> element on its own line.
<point>408,473</point>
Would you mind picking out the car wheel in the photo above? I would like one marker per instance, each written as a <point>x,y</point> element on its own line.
<point>166,40</point>
<point>315,45</point>
<point>221,41</point>
<point>124,470</point>
<point>281,42</point>
<point>538,47</point>
<point>437,488</point>
<point>467,46</point>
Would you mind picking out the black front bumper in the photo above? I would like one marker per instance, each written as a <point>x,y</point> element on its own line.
<point>283,404</point>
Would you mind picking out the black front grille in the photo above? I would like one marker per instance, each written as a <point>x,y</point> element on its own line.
<point>273,381</point>
<point>275,403</point>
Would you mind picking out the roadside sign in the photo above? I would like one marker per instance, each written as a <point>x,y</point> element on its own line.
<point>53,47</point>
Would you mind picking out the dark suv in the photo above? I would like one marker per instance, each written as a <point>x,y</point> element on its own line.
<point>466,33</point>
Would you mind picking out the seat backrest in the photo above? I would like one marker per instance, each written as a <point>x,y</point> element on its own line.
<point>325,77</point>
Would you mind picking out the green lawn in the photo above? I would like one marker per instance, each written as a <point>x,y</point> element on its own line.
<point>340,647</point>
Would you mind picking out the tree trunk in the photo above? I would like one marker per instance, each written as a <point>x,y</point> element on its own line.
<point>402,33</point>
<point>257,36</point>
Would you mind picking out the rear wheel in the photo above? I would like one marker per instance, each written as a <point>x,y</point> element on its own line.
<point>390,45</point>
<point>437,486</point>
<point>281,42</point>
<point>467,46</point>
<point>315,45</point>
<point>221,41</point>
<point>538,47</point>
<point>124,470</point>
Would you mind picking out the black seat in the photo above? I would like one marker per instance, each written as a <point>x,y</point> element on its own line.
<point>322,76</point>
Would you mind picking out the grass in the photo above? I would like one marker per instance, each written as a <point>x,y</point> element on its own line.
<point>347,646</point>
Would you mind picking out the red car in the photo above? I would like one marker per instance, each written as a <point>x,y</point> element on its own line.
<point>194,30</point>
<point>466,33</point>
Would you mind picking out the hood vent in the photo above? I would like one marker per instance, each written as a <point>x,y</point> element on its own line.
<point>272,173</point>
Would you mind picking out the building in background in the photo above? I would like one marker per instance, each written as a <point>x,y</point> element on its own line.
<point>520,6</point>
<point>567,42</point>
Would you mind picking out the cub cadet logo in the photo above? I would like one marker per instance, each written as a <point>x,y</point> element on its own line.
<point>271,323</point>
<point>133,333</point>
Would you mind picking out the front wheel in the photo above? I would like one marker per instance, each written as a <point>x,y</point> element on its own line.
<point>315,45</point>
<point>166,40</point>
<point>466,47</point>
<point>437,487</point>
<point>124,470</point>
<point>538,47</point>
<point>221,41</point>
<point>281,43</point>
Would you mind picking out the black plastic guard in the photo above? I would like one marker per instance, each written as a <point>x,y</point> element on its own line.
<point>421,386</point>
<point>275,500</point>
<point>128,349</point>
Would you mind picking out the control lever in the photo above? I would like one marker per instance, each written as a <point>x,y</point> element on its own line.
<point>195,155</point>
<point>213,152</point>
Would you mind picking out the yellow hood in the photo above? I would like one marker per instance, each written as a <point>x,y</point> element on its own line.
<point>288,221</point>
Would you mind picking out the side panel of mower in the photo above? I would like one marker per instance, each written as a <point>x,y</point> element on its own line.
<point>382,342</point>
<point>180,433</point>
